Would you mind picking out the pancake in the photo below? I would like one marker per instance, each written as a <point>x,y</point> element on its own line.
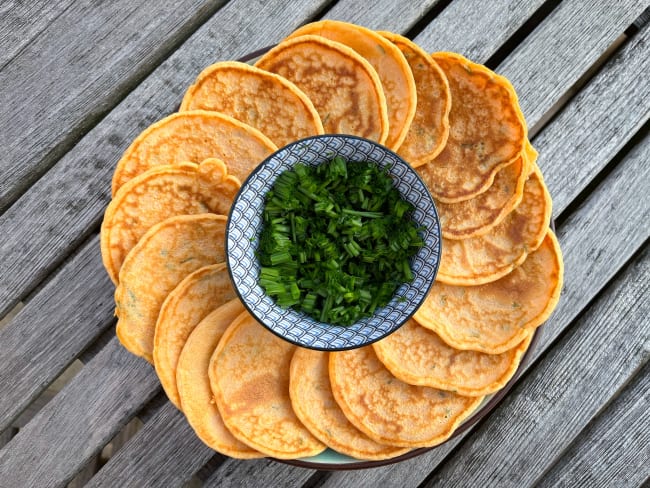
<point>249,376</point>
<point>429,129</point>
<point>185,306</point>
<point>495,317</point>
<point>343,86</point>
<point>263,100</point>
<point>487,131</point>
<point>477,216</point>
<point>417,356</point>
<point>163,257</point>
<point>160,193</point>
<point>392,67</point>
<point>390,411</point>
<point>194,384</point>
<point>194,136</point>
<point>487,258</point>
<point>314,404</point>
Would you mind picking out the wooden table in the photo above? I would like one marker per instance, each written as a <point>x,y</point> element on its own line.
<point>79,80</point>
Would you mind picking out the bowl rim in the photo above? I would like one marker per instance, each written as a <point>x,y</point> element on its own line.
<point>429,283</point>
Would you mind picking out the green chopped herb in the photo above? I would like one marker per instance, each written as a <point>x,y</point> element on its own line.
<point>336,240</point>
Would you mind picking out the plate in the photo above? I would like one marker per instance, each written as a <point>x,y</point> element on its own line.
<point>330,460</point>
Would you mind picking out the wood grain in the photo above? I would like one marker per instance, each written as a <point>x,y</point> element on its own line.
<point>592,257</point>
<point>79,421</point>
<point>613,450</point>
<point>60,321</point>
<point>79,66</point>
<point>577,144</point>
<point>44,230</point>
<point>476,29</point>
<point>21,22</point>
<point>165,452</point>
<point>550,60</point>
<point>561,394</point>
<point>258,472</point>
<point>392,16</point>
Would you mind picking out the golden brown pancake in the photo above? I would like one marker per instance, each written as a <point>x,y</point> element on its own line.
<point>266,101</point>
<point>417,356</point>
<point>390,411</point>
<point>249,376</point>
<point>314,404</point>
<point>163,257</point>
<point>429,129</point>
<point>487,258</point>
<point>487,131</point>
<point>343,86</point>
<point>396,78</point>
<point>194,136</point>
<point>495,317</point>
<point>477,216</point>
<point>194,384</point>
<point>185,306</point>
<point>160,193</point>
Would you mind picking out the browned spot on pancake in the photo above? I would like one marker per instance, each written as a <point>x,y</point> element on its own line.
<point>163,257</point>
<point>249,375</point>
<point>418,356</point>
<point>486,132</point>
<point>266,101</point>
<point>483,259</point>
<point>388,410</point>
<point>194,136</point>
<point>320,67</point>
<point>390,64</point>
<point>496,316</point>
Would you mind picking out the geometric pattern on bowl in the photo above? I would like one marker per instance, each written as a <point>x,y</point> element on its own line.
<point>245,224</point>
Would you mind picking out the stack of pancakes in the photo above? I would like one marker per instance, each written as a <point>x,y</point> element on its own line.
<point>248,393</point>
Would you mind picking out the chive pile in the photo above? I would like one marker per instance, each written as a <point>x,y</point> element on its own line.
<point>336,240</point>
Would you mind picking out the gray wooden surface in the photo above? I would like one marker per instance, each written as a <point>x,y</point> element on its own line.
<point>78,80</point>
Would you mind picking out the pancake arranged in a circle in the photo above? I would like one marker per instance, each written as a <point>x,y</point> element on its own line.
<point>157,194</point>
<point>416,355</point>
<point>185,306</point>
<point>497,316</point>
<point>487,131</point>
<point>249,376</point>
<point>194,383</point>
<point>390,411</point>
<point>392,67</point>
<point>477,216</point>
<point>314,404</point>
<point>429,130</point>
<point>194,136</point>
<point>266,101</point>
<point>343,86</point>
<point>163,257</point>
<point>487,258</point>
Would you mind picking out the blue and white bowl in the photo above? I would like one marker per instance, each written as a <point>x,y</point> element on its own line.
<point>245,224</point>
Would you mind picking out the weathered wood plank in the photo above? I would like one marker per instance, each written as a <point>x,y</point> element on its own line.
<point>72,309</point>
<point>78,186</point>
<point>178,456</point>
<point>258,472</point>
<point>591,258</point>
<point>614,450</point>
<point>391,16</point>
<point>544,63</point>
<point>561,394</point>
<point>587,133</point>
<point>21,22</point>
<point>77,68</point>
<point>476,29</point>
<point>79,421</point>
